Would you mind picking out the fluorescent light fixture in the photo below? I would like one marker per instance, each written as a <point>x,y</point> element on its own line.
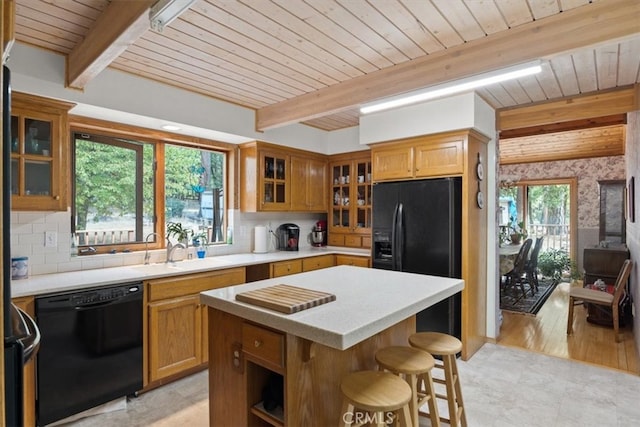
<point>453,87</point>
<point>164,12</point>
<point>171,127</point>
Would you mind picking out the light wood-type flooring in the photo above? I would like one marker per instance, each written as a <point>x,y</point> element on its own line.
<point>547,333</point>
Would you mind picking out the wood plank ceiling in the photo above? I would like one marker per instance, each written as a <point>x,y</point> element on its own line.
<point>260,53</point>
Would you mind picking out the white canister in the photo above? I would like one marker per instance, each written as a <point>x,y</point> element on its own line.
<point>260,239</point>
<point>19,268</point>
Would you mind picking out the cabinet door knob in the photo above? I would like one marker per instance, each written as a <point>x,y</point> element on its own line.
<point>57,197</point>
<point>257,343</point>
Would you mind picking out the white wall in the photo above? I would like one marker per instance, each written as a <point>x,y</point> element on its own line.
<point>441,115</point>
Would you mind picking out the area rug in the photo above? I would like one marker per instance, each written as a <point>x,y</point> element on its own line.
<point>512,299</point>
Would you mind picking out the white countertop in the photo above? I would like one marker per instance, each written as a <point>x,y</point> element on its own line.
<point>76,280</point>
<point>368,301</point>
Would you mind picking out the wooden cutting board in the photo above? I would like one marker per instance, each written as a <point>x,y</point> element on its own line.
<point>285,298</point>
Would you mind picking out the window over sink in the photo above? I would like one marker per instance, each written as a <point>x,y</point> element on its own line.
<point>118,184</point>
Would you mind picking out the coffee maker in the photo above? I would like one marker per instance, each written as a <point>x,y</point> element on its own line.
<point>288,237</point>
<point>319,234</point>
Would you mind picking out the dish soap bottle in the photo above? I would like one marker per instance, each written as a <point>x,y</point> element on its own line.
<point>229,236</point>
<point>74,246</point>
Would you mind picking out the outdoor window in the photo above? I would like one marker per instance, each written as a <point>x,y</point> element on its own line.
<point>539,209</point>
<point>194,193</point>
<point>115,184</point>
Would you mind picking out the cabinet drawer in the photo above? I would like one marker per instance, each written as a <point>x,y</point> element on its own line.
<point>263,345</point>
<point>284,268</point>
<point>317,262</point>
<point>335,239</point>
<point>366,241</point>
<point>353,241</point>
<point>358,261</point>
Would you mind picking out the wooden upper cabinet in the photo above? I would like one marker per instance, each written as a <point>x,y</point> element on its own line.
<point>350,212</point>
<point>420,157</point>
<point>442,158</point>
<point>392,163</point>
<point>39,153</point>
<point>276,178</point>
<point>274,191</point>
<point>308,184</point>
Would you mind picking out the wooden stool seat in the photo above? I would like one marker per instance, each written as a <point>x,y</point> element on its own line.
<point>436,343</point>
<point>376,392</point>
<point>445,346</point>
<point>415,365</point>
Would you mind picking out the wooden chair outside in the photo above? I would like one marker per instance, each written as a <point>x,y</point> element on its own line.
<point>578,295</point>
<point>516,277</point>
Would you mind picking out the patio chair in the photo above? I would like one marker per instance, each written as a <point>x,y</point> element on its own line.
<point>517,276</point>
<point>531,266</point>
<point>601,299</point>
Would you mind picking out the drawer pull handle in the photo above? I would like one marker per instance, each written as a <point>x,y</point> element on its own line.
<point>257,343</point>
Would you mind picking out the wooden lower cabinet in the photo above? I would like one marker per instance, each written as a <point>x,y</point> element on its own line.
<point>358,261</point>
<point>177,334</point>
<point>29,393</point>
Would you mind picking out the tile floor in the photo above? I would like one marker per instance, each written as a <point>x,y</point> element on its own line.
<point>501,386</point>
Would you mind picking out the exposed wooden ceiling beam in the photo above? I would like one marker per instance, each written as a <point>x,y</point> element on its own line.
<point>586,106</point>
<point>592,122</point>
<point>119,26</point>
<point>573,29</point>
<point>577,144</point>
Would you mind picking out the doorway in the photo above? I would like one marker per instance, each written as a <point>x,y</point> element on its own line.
<point>541,208</point>
<point>549,208</point>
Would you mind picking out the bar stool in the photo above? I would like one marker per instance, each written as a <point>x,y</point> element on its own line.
<point>415,366</point>
<point>445,346</point>
<point>377,393</point>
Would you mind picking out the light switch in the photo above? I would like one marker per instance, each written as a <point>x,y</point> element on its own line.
<point>50,239</point>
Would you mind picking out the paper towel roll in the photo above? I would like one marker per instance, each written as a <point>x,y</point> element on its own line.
<point>260,236</point>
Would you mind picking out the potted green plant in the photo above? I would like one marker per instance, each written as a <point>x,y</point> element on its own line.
<point>553,263</point>
<point>518,232</point>
<point>180,233</point>
<point>200,242</point>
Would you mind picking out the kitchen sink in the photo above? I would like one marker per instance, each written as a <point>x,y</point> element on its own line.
<point>192,265</point>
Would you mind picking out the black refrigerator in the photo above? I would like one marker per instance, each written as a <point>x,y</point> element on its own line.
<point>21,335</point>
<point>417,229</point>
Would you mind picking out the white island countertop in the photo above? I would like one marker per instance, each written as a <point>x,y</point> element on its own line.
<point>368,301</point>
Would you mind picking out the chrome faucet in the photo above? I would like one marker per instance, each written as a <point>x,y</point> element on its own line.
<point>171,249</point>
<point>147,255</point>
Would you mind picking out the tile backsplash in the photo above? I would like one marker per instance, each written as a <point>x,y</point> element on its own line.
<point>28,231</point>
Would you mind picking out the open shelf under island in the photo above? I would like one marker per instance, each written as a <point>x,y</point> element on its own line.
<point>313,349</point>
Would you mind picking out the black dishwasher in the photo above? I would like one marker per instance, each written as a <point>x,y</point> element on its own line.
<point>90,349</point>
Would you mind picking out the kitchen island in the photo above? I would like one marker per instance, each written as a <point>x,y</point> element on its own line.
<point>313,349</point>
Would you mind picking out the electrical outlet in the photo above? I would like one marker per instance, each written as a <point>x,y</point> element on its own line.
<point>50,239</point>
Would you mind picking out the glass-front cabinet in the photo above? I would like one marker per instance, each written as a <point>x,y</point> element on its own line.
<point>274,180</point>
<point>350,213</point>
<point>38,154</point>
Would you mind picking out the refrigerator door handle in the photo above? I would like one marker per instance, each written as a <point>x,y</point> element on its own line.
<point>399,224</point>
<point>394,243</point>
